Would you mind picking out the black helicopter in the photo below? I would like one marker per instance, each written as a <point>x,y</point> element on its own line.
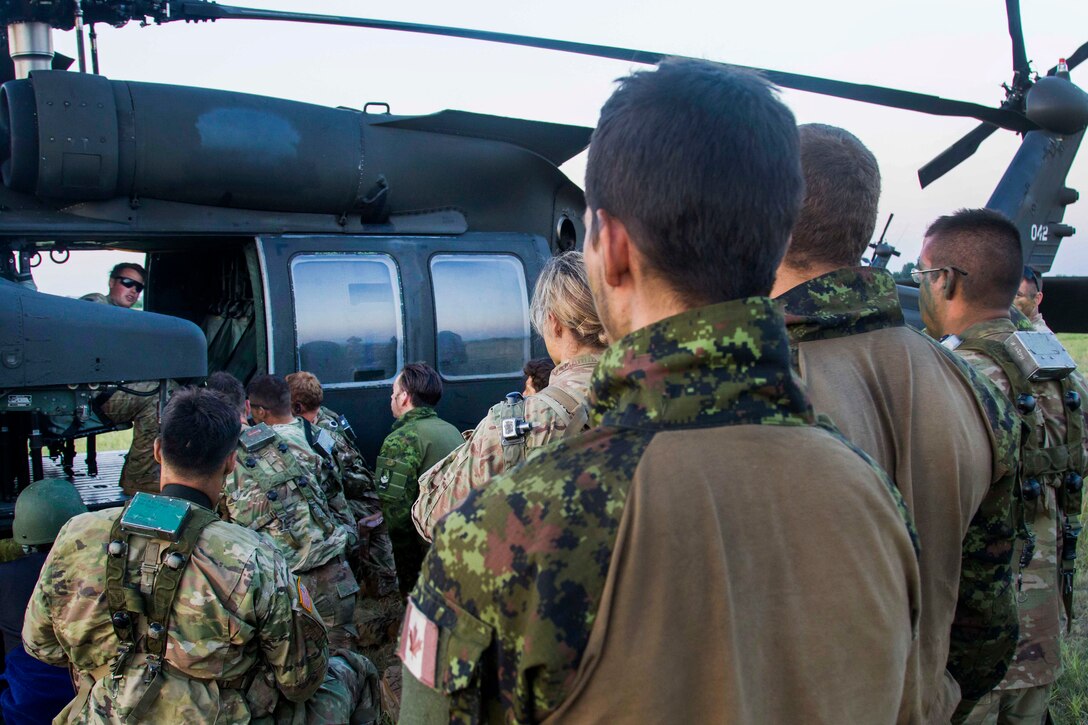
<point>283,236</point>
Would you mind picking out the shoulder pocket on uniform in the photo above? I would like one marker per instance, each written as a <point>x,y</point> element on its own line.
<point>462,650</point>
<point>391,478</point>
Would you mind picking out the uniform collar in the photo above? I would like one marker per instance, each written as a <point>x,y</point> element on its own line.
<point>418,413</point>
<point>999,326</point>
<point>845,302</point>
<point>586,362</point>
<point>725,364</point>
<point>180,490</point>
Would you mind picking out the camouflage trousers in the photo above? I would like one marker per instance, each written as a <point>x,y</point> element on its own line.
<point>1022,706</point>
<point>350,693</point>
<point>381,607</point>
<point>140,472</point>
<point>333,589</point>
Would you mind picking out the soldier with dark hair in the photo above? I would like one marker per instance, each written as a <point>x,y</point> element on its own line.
<point>1028,298</point>
<point>883,384</point>
<point>537,373</point>
<point>969,271</point>
<point>697,528</point>
<point>165,612</point>
<point>277,489</point>
<point>419,440</point>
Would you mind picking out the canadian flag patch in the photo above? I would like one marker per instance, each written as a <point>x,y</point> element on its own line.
<point>419,645</point>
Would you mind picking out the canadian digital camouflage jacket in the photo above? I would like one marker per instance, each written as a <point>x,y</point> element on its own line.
<point>419,440</point>
<point>481,458</point>
<point>1038,657</point>
<point>238,609</point>
<point>515,576</point>
<point>275,490</point>
<point>848,303</point>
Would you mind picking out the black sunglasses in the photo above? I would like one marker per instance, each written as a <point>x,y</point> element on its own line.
<point>130,283</point>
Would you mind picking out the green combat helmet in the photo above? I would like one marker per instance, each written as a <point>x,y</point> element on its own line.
<point>43,508</point>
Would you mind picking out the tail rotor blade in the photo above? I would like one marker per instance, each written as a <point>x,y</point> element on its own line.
<point>955,154</point>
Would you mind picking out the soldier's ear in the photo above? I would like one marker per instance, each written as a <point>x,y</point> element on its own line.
<point>614,246</point>
<point>231,462</point>
<point>157,450</point>
<point>951,283</point>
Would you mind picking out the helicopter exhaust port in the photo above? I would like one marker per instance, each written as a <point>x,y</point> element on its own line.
<point>31,47</point>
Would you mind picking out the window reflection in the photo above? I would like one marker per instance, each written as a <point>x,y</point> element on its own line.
<point>482,315</point>
<point>348,317</point>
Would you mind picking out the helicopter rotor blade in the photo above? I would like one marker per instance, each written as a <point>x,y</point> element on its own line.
<point>1016,32</point>
<point>1079,56</point>
<point>955,154</point>
<point>196,10</point>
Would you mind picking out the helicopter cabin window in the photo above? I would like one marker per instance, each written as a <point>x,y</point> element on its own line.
<point>348,324</point>
<point>481,315</point>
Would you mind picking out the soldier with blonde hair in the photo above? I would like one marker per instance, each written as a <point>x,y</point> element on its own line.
<point>563,313</point>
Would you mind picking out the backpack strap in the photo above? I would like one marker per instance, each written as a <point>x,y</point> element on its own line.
<point>127,604</point>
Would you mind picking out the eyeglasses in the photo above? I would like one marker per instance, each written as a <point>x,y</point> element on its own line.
<point>128,283</point>
<point>916,274</point>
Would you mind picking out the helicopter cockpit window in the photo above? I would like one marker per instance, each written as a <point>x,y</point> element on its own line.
<point>482,315</point>
<point>348,323</point>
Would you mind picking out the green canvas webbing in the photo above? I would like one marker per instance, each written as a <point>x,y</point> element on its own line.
<point>154,608</point>
<point>1056,460</point>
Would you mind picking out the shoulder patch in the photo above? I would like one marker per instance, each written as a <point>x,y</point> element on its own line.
<point>304,599</point>
<point>418,648</point>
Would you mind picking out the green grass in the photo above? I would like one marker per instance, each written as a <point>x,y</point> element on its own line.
<point>1069,698</point>
<point>117,441</point>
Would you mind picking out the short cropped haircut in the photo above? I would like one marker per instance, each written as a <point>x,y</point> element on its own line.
<point>985,244</point>
<point>306,392</point>
<point>700,163</point>
<point>539,371</point>
<point>230,388</point>
<point>422,383</point>
<point>562,289</point>
<point>842,193</point>
<point>199,431</point>
<point>271,393</point>
<point>118,268</point>
<point>1033,278</point>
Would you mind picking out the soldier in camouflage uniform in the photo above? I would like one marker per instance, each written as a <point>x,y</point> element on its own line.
<point>231,608</point>
<point>1028,298</point>
<point>419,440</point>
<point>969,270</point>
<point>381,607</point>
<point>883,383</point>
<point>137,402</point>
<point>275,490</point>
<point>675,563</point>
<point>563,314</point>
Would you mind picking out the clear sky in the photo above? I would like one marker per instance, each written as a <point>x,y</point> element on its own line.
<point>958,50</point>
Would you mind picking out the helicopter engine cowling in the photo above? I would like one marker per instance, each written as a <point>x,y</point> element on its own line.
<point>69,136</point>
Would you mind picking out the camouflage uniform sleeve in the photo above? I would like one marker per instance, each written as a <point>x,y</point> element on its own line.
<point>472,464</point>
<point>985,627</point>
<point>39,638</point>
<point>397,475</point>
<point>293,639</point>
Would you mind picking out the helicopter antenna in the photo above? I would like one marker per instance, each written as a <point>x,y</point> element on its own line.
<point>883,251</point>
